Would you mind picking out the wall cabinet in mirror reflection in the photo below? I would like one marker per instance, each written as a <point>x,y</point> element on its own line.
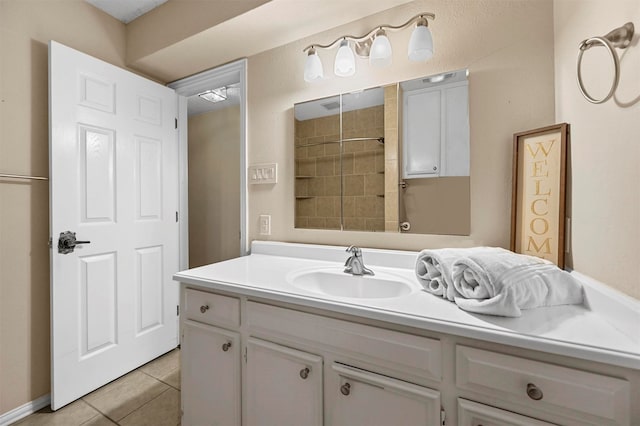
<point>351,157</point>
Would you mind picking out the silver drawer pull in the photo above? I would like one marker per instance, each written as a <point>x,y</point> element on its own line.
<point>304,373</point>
<point>534,392</point>
<point>345,389</point>
<point>204,308</point>
<point>226,346</point>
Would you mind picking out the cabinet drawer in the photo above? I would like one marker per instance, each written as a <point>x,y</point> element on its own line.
<point>211,308</point>
<point>402,352</point>
<point>473,414</point>
<point>593,397</point>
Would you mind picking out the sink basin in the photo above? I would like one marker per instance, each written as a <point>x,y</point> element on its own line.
<point>334,281</point>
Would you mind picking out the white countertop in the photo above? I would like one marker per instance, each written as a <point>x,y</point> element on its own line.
<point>607,330</point>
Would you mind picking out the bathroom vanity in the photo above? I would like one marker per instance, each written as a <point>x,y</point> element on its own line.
<point>284,337</point>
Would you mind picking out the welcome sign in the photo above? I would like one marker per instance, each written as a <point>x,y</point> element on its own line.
<point>538,198</point>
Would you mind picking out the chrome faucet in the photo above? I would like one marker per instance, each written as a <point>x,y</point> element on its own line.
<point>354,264</point>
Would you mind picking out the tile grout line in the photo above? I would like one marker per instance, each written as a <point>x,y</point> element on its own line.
<point>148,402</point>
<point>118,421</point>
<point>100,414</point>
<point>96,408</point>
<point>161,380</point>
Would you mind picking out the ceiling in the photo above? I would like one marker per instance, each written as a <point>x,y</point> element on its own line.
<point>126,10</point>
<point>167,44</point>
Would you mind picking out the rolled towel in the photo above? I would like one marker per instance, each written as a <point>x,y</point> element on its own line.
<point>504,283</point>
<point>434,268</point>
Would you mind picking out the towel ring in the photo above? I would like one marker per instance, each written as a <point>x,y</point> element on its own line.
<point>620,38</point>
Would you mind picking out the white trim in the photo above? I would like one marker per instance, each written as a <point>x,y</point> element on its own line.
<point>24,410</point>
<point>183,184</point>
<point>189,86</point>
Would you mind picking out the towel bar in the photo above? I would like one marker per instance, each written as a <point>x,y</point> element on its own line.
<point>10,176</point>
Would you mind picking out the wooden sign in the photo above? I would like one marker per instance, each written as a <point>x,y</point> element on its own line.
<point>538,197</point>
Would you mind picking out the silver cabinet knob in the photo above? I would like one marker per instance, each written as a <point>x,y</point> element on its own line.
<point>226,346</point>
<point>345,389</point>
<point>534,392</point>
<point>304,373</point>
<point>204,308</point>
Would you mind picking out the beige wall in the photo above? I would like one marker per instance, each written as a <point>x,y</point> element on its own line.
<point>508,48</point>
<point>604,184</point>
<point>214,185</point>
<point>26,26</point>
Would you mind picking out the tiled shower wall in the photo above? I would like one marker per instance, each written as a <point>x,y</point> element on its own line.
<point>318,172</point>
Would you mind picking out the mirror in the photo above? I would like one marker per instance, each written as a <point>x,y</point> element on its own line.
<point>386,159</point>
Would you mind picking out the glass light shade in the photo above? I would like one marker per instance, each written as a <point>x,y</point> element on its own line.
<point>380,55</point>
<point>345,63</point>
<point>421,44</point>
<point>313,68</point>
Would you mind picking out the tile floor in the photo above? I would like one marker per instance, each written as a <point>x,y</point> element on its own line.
<point>148,396</point>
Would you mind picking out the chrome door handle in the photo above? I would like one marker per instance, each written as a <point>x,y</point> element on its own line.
<point>67,242</point>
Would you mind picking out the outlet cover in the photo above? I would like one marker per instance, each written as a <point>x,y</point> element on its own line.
<point>265,224</point>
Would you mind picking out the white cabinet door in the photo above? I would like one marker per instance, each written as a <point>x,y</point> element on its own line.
<point>358,397</point>
<point>473,414</point>
<point>422,138</point>
<point>283,386</point>
<point>210,375</point>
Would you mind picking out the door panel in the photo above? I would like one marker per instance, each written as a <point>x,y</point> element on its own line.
<point>149,295</point>
<point>114,177</point>
<point>97,302</point>
<point>148,178</point>
<point>210,375</point>
<point>276,376</point>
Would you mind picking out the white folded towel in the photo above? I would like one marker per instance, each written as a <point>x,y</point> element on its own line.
<point>434,268</point>
<point>504,283</point>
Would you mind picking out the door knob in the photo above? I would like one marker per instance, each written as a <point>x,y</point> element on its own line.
<point>67,242</point>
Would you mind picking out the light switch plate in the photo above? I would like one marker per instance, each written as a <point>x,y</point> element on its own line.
<point>265,224</point>
<point>263,173</point>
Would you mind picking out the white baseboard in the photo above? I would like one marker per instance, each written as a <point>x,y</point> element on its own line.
<point>24,410</point>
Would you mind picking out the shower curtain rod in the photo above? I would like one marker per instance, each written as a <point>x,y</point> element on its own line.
<point>5,175</point>
<point>380,140</point>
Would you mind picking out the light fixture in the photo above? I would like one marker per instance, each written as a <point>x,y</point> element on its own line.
<point>380,54</point>
<point>345,63</point>
<point>374,45</point>
<point>215,95</point>
<point>313,67</point>
<point>421,42</point>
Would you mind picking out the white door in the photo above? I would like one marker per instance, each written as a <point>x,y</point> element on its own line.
<point>114,182</point>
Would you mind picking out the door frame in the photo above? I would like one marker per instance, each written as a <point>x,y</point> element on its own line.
<point>190,86</point>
